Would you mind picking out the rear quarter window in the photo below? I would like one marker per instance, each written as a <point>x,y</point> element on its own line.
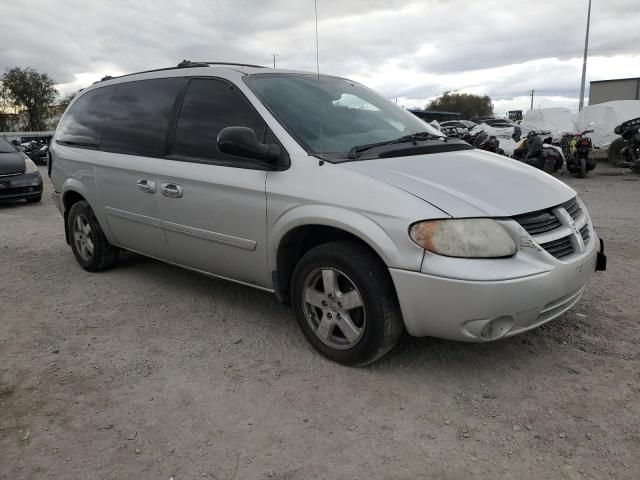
<point>80,126</point>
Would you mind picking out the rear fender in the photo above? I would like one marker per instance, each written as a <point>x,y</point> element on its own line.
<point>75,185</point>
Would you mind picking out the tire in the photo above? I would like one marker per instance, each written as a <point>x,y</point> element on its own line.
<point>558,163</point>
<point>88,243</point>
<point>547,165</point>
<point>615,157</point>
<point>34,199</point>
<point>583,168</point>
<point>374,319</point>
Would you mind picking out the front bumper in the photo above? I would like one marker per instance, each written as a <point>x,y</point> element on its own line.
<point>15,187</point>
<point>57,199</point>
<point>484,310</point>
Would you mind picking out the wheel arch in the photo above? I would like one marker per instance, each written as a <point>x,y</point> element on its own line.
<point>72,191</point>
<point>70,195</point>
<point>292,237</point>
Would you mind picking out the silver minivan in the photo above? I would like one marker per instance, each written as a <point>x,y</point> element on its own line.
<point>360,215</point>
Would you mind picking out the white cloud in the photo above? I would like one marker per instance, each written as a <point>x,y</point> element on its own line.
<point>410,49</point>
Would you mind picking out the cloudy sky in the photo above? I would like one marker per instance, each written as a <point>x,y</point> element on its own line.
<point>412,50</point>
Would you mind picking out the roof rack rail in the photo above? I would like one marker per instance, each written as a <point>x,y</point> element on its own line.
<point>182,64</point>
<point>235,64</point>
<point>190,64</point>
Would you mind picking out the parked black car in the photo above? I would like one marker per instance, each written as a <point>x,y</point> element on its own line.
<point>19,176</point>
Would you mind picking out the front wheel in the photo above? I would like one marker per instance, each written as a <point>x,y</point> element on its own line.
<point>583,168</point>
<point>345,303</point>
<point>88,243</point>
<point>548,165</point>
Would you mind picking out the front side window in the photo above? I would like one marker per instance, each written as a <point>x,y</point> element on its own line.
<point>138,116</point>
<point>80,126</point>
<point>332,115</point>
<point>210,105</point>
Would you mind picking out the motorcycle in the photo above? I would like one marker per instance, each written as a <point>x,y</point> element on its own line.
<point>575,148</point>
<point>483,141</point>
<point>630,151</point>
<point>538,152</point>
<point>36,150</point>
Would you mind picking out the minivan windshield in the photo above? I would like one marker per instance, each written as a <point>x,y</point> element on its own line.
<point>6,147</point>
<point>333,115</point>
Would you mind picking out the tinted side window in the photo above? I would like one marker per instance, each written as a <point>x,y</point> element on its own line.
<point>81,124</point>
<point>138,116</point>
<point>208,107</point>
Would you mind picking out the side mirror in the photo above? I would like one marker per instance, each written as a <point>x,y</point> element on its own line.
<point>242,142</point>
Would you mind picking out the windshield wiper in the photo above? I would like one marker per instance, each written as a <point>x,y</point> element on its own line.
<point>414,138</point>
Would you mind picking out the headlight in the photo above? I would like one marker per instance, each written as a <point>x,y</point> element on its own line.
<point>467,238</point>
<point>30,167</point>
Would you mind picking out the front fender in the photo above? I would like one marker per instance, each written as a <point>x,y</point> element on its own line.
<point>402,253</point>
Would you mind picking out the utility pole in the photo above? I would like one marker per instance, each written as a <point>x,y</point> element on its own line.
<point>584,60</point>
<point>532,92</point>
<point>274,55</point>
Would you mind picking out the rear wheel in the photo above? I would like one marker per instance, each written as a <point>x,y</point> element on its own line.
<point>88,243</point>
<point>558,162</point>
<point>583,168</point>
<point>548,164</point>
<point>345,303</point>
<point>615,155</point>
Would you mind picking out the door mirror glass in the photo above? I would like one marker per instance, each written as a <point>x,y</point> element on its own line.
<point>242,142</point>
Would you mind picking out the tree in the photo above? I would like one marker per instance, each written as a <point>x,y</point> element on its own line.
<point>65,100</point>
<point>467,104</point>
<point>31,90</point>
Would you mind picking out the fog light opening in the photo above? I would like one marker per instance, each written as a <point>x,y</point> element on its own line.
<point>497,328</point>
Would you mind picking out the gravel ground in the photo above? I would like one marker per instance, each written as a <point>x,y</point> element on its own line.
<point>150,371</point>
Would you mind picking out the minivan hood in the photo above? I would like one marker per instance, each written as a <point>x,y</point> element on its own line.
<point>469,183</point>
<point>12,162</point>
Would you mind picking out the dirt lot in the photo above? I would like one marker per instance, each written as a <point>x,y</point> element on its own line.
<point>149,371</point>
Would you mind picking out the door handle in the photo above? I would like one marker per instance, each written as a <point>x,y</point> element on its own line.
<point>171,190</point>
<point>146,186</point>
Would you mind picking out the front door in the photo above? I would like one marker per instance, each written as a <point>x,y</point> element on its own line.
<point>212,205</point>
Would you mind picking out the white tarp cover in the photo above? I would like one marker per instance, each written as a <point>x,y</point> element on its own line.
<point>555,120</point>
<point>601,118</point>
<point>605,117</point>
<point>493,131</point>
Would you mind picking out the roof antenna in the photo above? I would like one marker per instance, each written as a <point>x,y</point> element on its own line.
<point>315,7</point>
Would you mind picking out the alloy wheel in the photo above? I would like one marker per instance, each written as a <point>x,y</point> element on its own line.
<point>83,238</point>
<point>333,308</point>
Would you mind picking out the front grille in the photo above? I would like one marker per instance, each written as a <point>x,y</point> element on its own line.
<point>560,242</point>
<point>538,222</point>
<point>13,192</point>
<point>584,231</point>
<point>559,248</point>
<point>572,207</point>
